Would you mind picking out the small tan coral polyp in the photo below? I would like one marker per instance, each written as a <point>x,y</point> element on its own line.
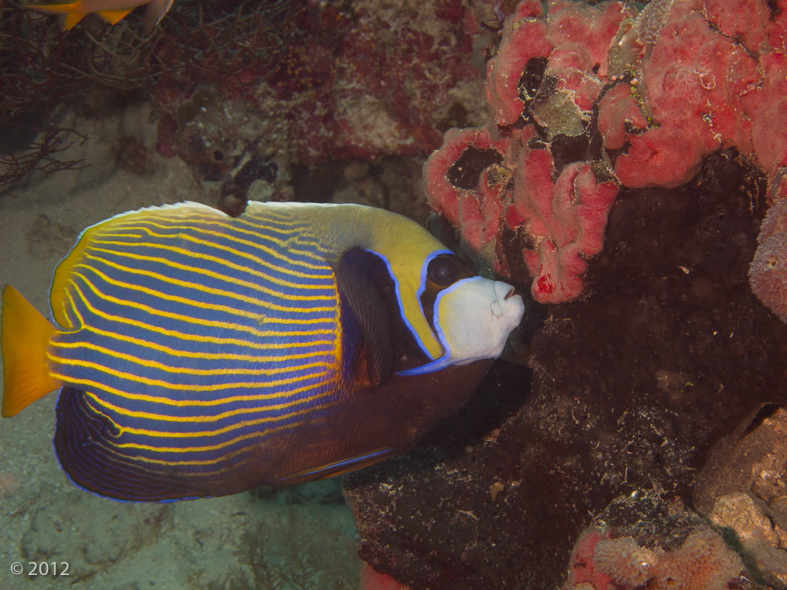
<point>625,561</point>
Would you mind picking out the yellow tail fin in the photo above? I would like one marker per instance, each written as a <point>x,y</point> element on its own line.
<point>24,340</point>
<point>113,17</point>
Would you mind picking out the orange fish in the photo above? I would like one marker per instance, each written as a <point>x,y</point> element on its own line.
<point>110,10</point>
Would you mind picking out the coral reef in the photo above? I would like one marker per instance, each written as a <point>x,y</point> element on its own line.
<point>372,580</point>
<point>743,487</point>
<point>622,394</point>
<point>768,270</point>
<point>355,80</point>
<point>98,68</point>
<point>638,98</point>
<point>301,82</point>
<point>702,562</point>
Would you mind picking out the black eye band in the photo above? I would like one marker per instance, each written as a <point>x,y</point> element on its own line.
<point>443,271</point>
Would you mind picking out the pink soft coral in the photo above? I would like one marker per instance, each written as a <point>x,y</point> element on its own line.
<point>638,98</point>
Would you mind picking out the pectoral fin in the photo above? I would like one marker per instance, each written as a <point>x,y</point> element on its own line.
<point>155,11</point>
<point>339,467</point>
<point>355,277</point>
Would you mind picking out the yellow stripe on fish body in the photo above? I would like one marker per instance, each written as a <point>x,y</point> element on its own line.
<point>404,245</point>
<point>203,355</point>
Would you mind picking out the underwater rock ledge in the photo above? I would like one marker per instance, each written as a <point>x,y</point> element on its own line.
<point>629,390</point>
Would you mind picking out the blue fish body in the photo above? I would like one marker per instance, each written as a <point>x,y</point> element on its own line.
<point>201,355</point>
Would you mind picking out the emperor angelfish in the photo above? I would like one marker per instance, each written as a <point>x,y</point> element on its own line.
<point>203,355</point>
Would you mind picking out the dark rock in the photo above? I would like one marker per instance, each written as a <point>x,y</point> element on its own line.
<point>629,389</point>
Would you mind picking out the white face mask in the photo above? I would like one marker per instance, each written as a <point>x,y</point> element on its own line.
<point>473,318</point>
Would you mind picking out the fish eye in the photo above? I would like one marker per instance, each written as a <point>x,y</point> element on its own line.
<point>442,271</point>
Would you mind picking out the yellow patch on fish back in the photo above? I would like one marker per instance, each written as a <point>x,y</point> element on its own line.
<point>58,295</point>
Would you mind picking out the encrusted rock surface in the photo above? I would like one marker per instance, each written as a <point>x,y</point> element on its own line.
<point>625,392</point>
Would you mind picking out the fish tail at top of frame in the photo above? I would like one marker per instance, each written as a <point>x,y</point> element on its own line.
<point>24,341</point>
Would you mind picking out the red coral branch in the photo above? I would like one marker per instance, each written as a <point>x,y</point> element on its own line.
<point>41,155</point>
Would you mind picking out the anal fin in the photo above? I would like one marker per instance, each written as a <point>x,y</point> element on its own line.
<point>114,16</point>
<point>338,468</point>
<point>70,20</point>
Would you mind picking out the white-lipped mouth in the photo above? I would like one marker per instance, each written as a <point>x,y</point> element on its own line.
<point>505,301</point>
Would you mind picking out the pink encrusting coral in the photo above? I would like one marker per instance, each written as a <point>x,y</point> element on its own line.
<point>564,220</point>
<point>522,41</point>
<point>694,79</point>
<point>618,111</point>
<point>768,111</point>
<point>583,571</point>
<point>542,84</point>
<point>454,181</point>
<point>702,562</point>
<point>371,579</point>
<point>479,183</point>
<point>586,99</point>
<point>768,271</point>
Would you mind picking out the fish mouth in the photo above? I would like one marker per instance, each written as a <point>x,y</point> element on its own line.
<point>507,302</point>
<point>474,320</point>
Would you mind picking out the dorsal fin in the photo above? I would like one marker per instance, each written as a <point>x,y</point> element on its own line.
<point>355,277</point>
<point>59,292</point>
